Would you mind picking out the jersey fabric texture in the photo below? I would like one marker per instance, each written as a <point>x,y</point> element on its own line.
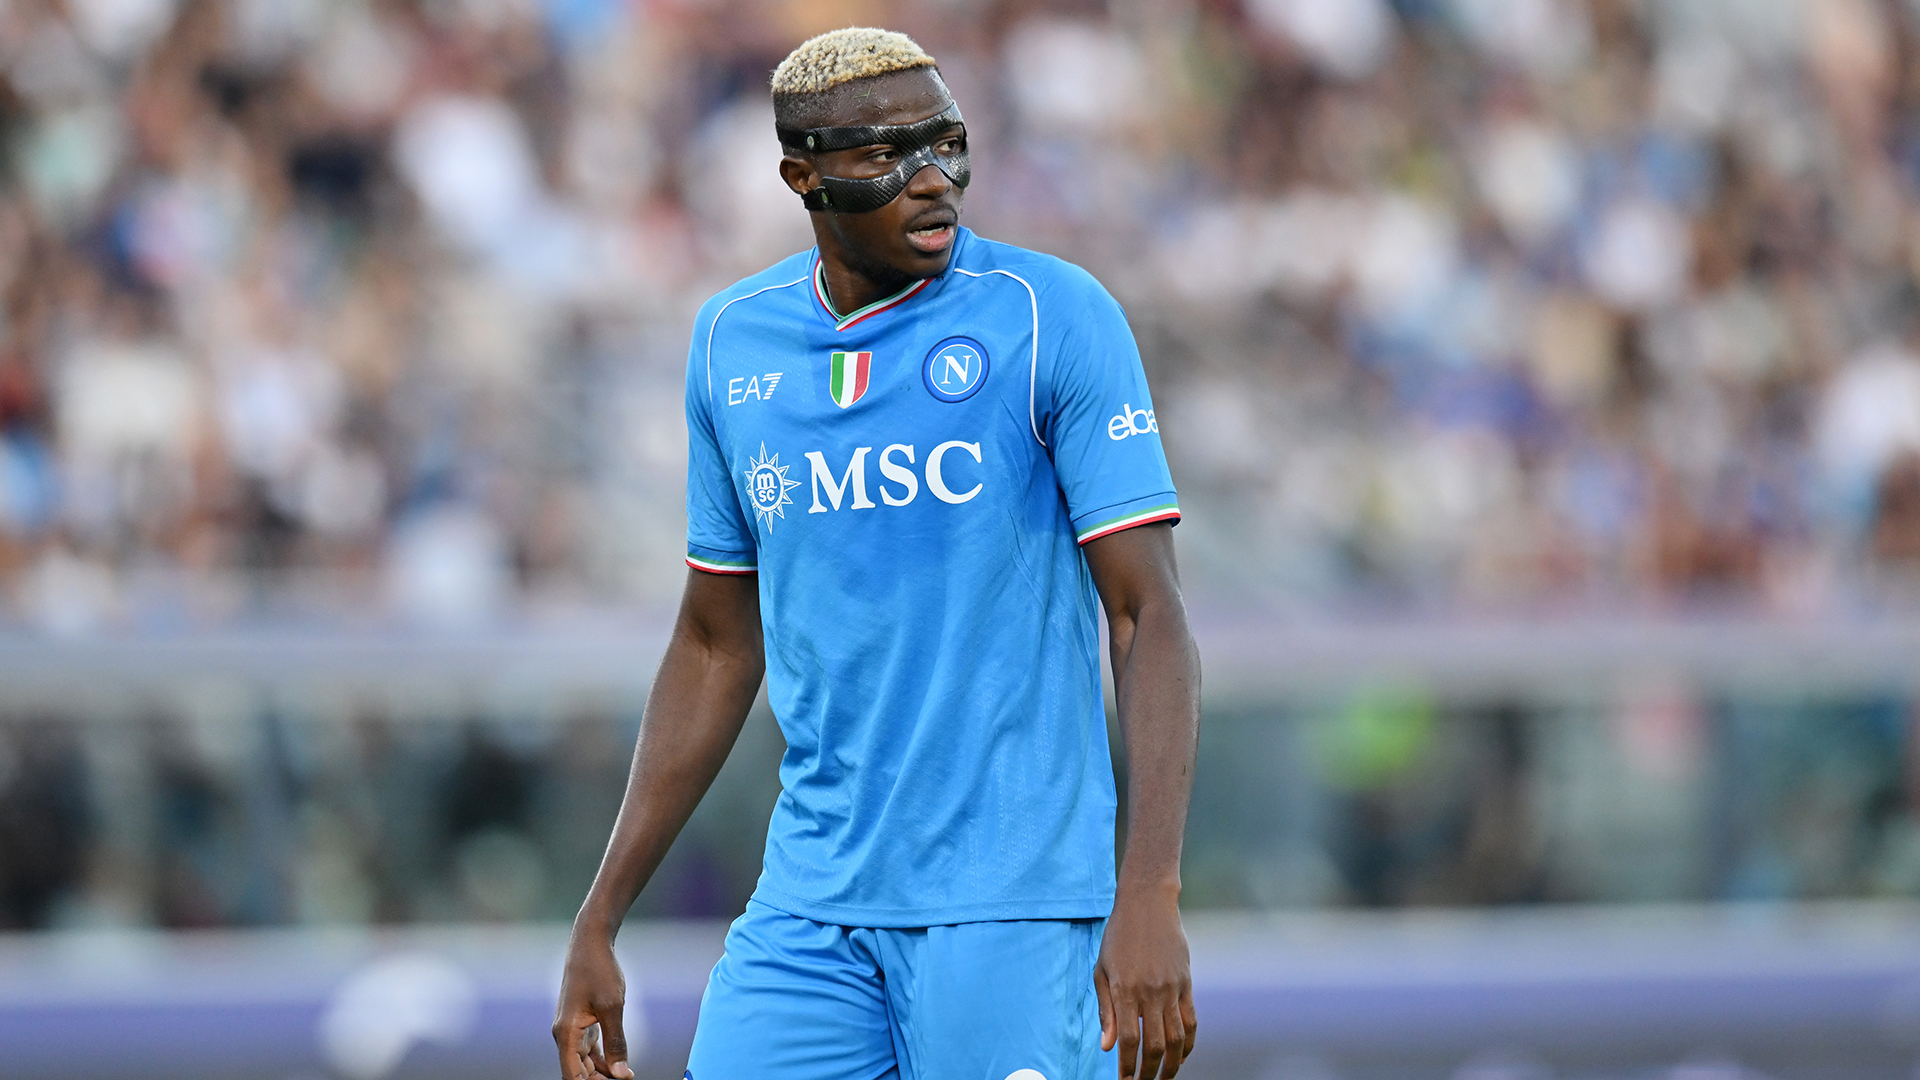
<point>803,1000</point>
<point>909,481</point>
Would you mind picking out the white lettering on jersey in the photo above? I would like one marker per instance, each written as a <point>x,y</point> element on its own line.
<point>899,475</point>
<point>957,366</point>
<point>1130,421</point>
<point>855,477</point>
<point>937,483</point>
<point>760,387</point>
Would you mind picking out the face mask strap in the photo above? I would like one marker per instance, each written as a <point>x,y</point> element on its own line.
<point>915,140</point>
<point>823,140</point>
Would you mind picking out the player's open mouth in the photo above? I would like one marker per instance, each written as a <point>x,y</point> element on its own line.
<point>932,238</point>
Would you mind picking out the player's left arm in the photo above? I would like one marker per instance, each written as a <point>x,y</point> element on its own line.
<point>1143,978</point>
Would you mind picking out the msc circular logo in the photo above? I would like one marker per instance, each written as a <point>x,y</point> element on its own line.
<point>956,369</point>
<point>767,486</point>
<point>766,489</point>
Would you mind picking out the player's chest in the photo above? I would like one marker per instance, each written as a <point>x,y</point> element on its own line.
<point>926,422</point>
<point>948,371</point>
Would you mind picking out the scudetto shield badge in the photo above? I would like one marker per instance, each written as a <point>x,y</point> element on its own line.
<point>847,380</point>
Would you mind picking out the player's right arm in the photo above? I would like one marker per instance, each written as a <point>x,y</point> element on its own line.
<point>706,684</point>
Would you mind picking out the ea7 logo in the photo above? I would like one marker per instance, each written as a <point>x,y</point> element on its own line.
<point>1130,421</point>
<point>742,387</point>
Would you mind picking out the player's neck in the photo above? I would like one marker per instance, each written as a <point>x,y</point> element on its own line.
<point>850,289</point>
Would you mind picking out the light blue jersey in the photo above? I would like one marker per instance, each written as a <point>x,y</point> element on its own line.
<point>911,482</point>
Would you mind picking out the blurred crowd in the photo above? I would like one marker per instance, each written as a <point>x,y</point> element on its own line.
<point>303,808</point>
<point>378,308</point>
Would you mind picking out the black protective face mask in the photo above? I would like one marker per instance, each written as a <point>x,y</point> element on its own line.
<point>915,142</point>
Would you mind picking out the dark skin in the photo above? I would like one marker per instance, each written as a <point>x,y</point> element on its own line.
<point>873,255</point>
<point>716,660</point>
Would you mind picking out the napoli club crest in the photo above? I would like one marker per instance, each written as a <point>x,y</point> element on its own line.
<point>955,369</point>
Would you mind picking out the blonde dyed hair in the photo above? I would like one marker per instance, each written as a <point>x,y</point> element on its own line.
<point>841,56</point>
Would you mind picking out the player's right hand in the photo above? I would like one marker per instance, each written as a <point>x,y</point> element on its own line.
<point>588,1026</point>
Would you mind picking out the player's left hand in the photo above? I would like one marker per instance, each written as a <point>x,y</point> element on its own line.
<point>1145,986</point>
<point>589,1025</point>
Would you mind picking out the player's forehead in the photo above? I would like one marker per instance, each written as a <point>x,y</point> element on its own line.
<point>899,97</point>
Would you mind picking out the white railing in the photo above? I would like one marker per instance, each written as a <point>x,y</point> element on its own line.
<point>1241,654</point>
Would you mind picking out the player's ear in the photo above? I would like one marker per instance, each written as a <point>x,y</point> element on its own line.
<point>799,173</point>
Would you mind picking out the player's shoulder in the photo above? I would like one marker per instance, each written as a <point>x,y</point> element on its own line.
<point>792,270</point>
<point>1049,276</point>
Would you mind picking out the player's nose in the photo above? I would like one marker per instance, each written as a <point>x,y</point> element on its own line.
<point>930,182</point>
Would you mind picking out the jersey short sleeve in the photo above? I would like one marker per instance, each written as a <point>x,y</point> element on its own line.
<point>718,538</point>
<point>1100,425</point>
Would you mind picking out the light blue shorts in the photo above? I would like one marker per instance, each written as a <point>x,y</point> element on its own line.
<point>794,999</point>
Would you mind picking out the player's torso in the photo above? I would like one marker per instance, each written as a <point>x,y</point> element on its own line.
<point>912,423</point>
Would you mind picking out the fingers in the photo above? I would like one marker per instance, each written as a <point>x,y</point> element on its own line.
<point>595,1053</point>
<point>613,1035</point>
<point>1174,1027</point>
<point>1153,1043</point>
<point>1188,1019</point>
<point>569,1036</point>
<point>1129,1041</point>
<point>1154,1030</point>
<point>1109,1031</point>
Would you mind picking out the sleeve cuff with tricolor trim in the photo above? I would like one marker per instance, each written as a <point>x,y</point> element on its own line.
<point>1162,506</point>
<point>715,561</point>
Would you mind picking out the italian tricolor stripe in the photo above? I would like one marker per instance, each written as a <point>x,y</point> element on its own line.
<point>1163,512</point>
<point>849,379</point>
<point>715,566</point>
<point>842,322</point>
